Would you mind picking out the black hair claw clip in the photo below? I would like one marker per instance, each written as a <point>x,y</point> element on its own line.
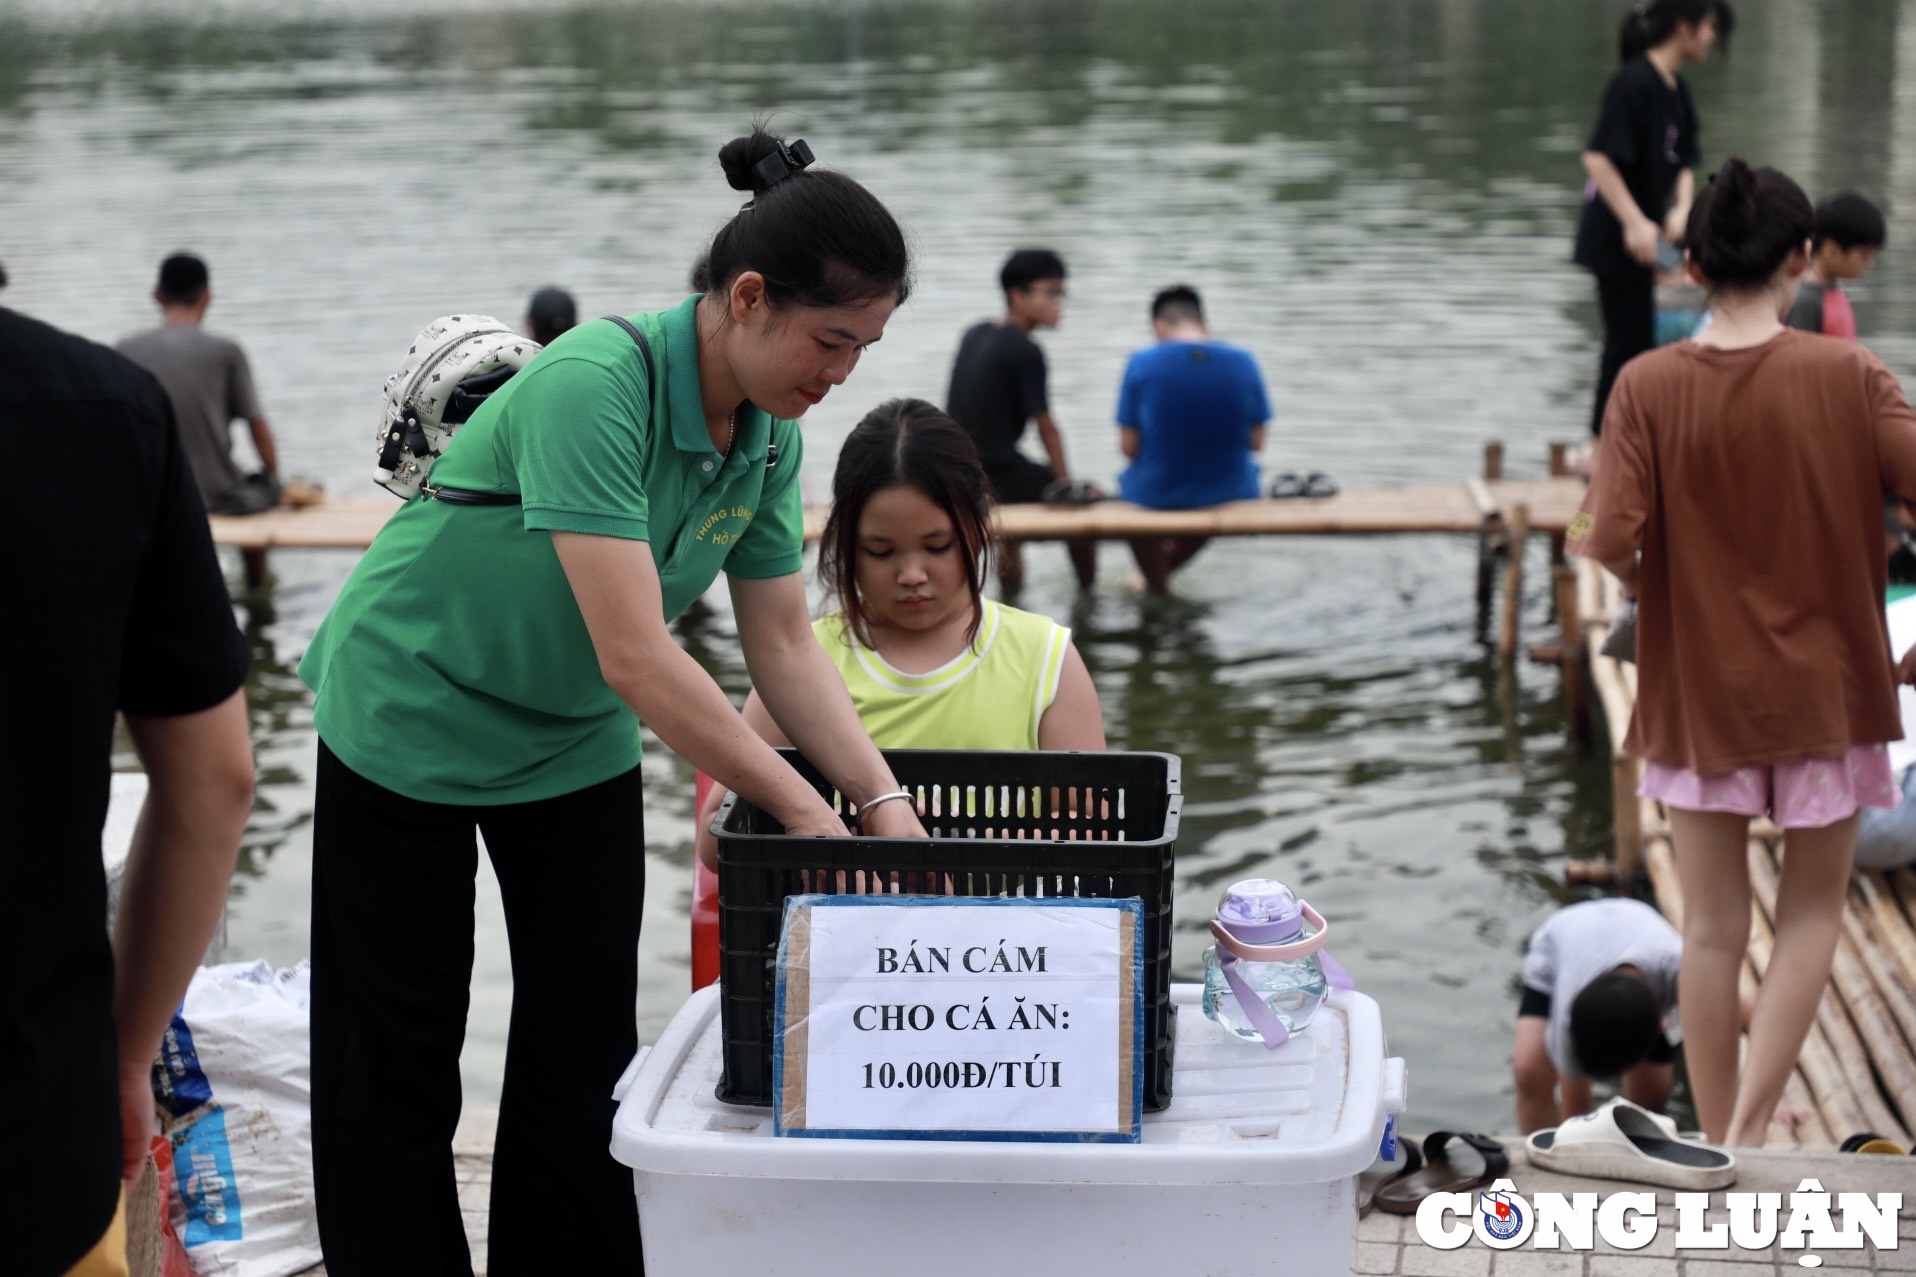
<point>788,159</point>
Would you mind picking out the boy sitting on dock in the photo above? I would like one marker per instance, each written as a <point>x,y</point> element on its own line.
<point>1192,414</point>
<point>998,387</point>
<point>1599,1000</point>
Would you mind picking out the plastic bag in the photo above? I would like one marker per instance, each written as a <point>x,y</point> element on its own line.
<point>235,1096</point>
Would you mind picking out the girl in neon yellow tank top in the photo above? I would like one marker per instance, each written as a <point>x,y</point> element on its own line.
<point>929,661</point>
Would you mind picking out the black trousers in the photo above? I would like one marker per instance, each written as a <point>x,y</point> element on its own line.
<point>1628,298</point>
<point>392,969</point>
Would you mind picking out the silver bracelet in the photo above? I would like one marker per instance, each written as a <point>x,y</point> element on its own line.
<point>866,806</point>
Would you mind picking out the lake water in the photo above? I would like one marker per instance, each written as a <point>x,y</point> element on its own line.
<point>1375,197</point>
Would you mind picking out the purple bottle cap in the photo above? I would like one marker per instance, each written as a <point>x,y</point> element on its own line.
<point>1261,911</point>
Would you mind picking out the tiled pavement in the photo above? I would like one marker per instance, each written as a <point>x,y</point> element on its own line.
<point>472,1163</point>
<point>1388,1244</point>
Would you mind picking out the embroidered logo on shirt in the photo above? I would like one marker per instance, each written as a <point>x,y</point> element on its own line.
<point>1579,527</point>
<point>713,528</point>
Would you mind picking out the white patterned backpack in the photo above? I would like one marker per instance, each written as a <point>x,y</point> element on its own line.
<point>451,367</point>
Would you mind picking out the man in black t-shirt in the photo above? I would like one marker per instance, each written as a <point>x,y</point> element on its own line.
<point>998,386</point>
<point>119,607</point>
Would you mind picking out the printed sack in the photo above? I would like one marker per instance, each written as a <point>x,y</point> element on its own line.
<point>235,1097</point>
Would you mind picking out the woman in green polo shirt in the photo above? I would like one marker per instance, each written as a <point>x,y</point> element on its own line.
<point>486,668</point>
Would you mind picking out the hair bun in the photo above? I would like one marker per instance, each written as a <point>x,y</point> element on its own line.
<point>1734,211</point>
<point>740,158</point>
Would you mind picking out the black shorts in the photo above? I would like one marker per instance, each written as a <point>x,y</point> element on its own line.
<point>1536,1002</point>
<point>1017,480</point>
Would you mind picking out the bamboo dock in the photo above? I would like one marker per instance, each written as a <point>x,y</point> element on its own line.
<point>1499,512</point>
<point>352,522</point>
<point>1857,1071</point>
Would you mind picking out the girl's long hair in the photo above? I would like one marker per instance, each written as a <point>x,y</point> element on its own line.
<point>905,441</point>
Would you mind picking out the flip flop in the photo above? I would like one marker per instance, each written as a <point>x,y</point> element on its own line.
<point>1401,1196</point>
<point>1409,1162</point>
<point>1623,1141</point>
<point>1287,485</point>
<point>1318,484</point>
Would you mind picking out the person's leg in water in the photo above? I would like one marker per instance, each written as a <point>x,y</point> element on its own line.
<point>1713,869</point>
<point>1154,563</point>
<point>1184,549</point>
<point>1084,560</point>
<point>254,563</point>
<point>1011,569</point>
<point>1627,297</point>
<point>1809,919</point>
<point>1159,557</point>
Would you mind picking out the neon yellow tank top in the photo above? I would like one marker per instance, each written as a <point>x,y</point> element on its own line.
<point>991,696</point>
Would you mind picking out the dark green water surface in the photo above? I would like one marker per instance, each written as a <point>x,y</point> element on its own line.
<point>1375,197</point>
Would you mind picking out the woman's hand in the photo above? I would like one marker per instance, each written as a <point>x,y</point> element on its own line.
<point>1906,668</point>
<point>816,820</point>
<point>1640,238</point>
<point>894,819</point>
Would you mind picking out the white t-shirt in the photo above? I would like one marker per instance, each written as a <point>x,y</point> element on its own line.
<point>1580,942</point>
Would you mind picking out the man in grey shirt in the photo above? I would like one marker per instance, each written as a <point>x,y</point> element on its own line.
<point>210,385</point>
<point>1599,1000</point>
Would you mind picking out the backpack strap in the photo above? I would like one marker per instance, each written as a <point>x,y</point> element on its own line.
<point>645,347</point>
<point>468,496</point>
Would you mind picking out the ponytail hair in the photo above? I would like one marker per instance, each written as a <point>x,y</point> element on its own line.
<point>819,238</point>
<point>910,442</point>
<point>1745,225</point>
<point>1653,22</point>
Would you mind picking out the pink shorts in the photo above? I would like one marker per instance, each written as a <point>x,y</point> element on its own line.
<point>1802,795</point>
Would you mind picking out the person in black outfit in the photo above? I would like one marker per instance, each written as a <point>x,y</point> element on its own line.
<point>998,386</point>
<point>123,611</point>
<point>1640,161</point>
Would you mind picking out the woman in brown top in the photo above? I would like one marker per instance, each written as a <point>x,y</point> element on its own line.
<point>1738,496</point>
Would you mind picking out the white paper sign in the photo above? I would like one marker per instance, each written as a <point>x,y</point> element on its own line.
<point>945,1017</point>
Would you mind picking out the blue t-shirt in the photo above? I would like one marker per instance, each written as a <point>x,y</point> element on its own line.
<point>1194,405</point>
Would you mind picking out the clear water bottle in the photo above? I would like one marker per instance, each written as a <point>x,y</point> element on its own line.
<point>1263,980</point>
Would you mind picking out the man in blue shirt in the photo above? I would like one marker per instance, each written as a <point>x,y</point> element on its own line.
<point>1191,414</point>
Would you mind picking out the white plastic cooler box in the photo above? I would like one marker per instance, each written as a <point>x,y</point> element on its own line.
<point>1252,1169</point>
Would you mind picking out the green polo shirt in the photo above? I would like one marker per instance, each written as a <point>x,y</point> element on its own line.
<point>455,667</point>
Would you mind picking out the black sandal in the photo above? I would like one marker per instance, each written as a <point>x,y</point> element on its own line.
<point>1384,1173</point>
<point>1441,1175</point>
<point>1286,485</point>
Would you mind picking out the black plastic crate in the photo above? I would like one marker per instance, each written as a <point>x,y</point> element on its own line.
<point>1003,823</point>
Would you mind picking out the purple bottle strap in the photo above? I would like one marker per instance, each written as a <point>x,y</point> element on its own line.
<point>1255,1009</point>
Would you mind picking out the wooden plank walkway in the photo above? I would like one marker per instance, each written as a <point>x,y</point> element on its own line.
<point>351,522</point>
<point>1857,1071</point>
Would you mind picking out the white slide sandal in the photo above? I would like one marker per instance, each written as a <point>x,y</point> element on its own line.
<point>1623,1141</point>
